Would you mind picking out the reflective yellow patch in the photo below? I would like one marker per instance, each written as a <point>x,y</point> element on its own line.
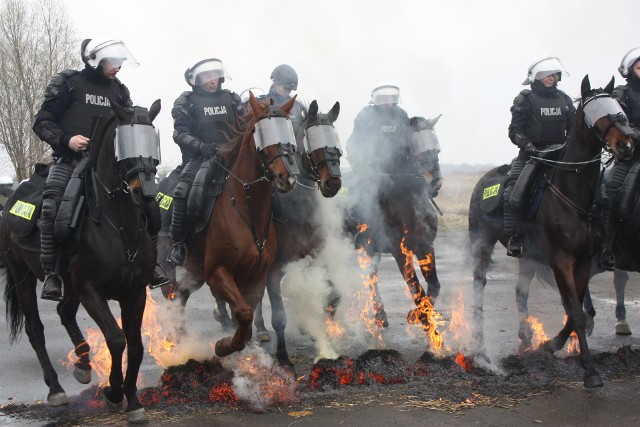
<point>23,209</point>
<point>490,191</point>
<point>159,197</point>
<point>165,202</point>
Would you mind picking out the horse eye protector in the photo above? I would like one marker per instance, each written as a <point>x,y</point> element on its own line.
<point>600,106</point>
<point>139,142</point>
<point>277,131</point>
<point>424,140</point>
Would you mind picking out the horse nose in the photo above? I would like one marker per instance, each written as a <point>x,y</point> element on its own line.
<point>285,184</point>
<point>331,187</point>
<point>625,149</point>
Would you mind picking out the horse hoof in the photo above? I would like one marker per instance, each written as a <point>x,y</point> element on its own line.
<point>622,328</point>
<point>590,324</point>
<point>222,350</point>
<point>58,399</point>
<point>381,319</point>
<point>592,381</point>
<point>113,407</point>
<point>263,336</point>
<point>137,416</point>
<point>83,376</point>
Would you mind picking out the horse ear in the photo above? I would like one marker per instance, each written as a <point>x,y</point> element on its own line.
<point>154,110</point>
<point>432,122</point>
<point>255,105</point>
<point>313,108</point>
<point>609,87</point>
<point>334,112</point>
<point>287,106</point>
<point>586,85</point>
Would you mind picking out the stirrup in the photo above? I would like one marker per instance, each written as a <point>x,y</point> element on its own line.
<point>52,289</point>
<point>514,247</point>
<point>158,279</point>
<point>178,254</point>
<point>607,260</point>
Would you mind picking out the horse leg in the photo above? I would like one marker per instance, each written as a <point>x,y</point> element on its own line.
<point>220,313</point>
<point>424,305</point>
<point>243,313</point>
<point>481,248</point>
<point>589,311</point>
<point>258,320</point>
<point>376,299</point>
<point>427,264</point>
<point>67,310</point>
<point>620,279</point>
<point>278,317</point>
<point>525,276</point>
<point>572,278</point>
<point>23,294</point>
<point>97,307</point>
<point>132,312</point>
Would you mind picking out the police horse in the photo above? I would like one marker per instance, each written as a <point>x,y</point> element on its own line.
<point>409,222</point>
<point>566,230</point>
<point>113,259</point>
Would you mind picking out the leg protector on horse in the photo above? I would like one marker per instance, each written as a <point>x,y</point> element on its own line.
<point>202,181</point>
<point>70,199</point>
<point>610,216</point>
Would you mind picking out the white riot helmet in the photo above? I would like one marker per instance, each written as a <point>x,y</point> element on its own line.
<point>385,93</point>
<point>6,180</point>
<point>542,67</point>
<point>95,51</point>
<point>203,71</point>
<point>628,60</point>
<point>257,92</point>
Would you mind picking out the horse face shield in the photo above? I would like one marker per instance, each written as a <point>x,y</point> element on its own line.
<point>138,153</point>
<point>322,145</point>
<point>602,106</point>
<point>277,131</point>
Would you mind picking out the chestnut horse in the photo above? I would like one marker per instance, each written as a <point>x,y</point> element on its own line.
<point>114,260</point>
<point>566,230</point>
<point>233,253</point>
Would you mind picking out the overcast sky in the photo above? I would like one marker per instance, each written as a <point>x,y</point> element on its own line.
<point>464,59</point>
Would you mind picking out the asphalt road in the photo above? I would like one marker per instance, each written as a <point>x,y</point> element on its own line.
<point>614,404</point>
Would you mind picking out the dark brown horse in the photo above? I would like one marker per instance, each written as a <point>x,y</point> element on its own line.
<point>566,230</point>
<point>233,253</point>
<point>407,221</point>
<point>114,260</point>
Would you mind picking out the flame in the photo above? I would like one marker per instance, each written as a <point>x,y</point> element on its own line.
<point>573,346</point>
<point>161,344</point>
<point>333,328</point>
<point>424,313</point>
<point>539,336</point>
<point>465,363</point>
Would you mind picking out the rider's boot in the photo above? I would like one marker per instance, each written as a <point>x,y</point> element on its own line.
<point>606,260</point>
<point>514,246</point>
<point>158,279</point>
<point>178,254</point>
<point>49,249</point>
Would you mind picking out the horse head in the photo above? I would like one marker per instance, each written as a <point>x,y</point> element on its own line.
<point>274,141</point>
<point>425,148</point>
<point>602,114</point>
<point>322,149</point>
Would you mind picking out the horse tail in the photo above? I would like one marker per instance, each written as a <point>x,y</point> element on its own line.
<point>13,311</point>
<point>546,276</point>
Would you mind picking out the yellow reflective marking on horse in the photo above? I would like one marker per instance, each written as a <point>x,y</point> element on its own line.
<point>164,201</point>
<point>490,192</point>
<point>23,209</point>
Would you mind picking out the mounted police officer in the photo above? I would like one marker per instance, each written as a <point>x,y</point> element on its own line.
<point>541,118</point>
<point>628,96</point>
<point>72,99</point>
<point>285,80</point>
<point>202,119</point>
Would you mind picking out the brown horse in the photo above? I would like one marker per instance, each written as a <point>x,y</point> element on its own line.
<point>566,230</point>
<point>238,245</point>
<point>114,259</point>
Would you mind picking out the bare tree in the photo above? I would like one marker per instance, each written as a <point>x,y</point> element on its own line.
<point>36,41</point>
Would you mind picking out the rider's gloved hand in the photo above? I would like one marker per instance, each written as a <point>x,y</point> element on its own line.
<point>207,150</point>
<point>530,149</point>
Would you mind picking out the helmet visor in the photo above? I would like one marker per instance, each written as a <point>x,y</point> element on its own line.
<point>627,62</point>
<point>385,95</point>
<point>207,71</point>
<point>544,68</point>
<point>112,54</point>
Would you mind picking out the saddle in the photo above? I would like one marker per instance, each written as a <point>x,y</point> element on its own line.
<point>23,209</point>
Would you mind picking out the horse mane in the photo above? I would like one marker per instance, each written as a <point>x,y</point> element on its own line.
<point>231,148</point>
